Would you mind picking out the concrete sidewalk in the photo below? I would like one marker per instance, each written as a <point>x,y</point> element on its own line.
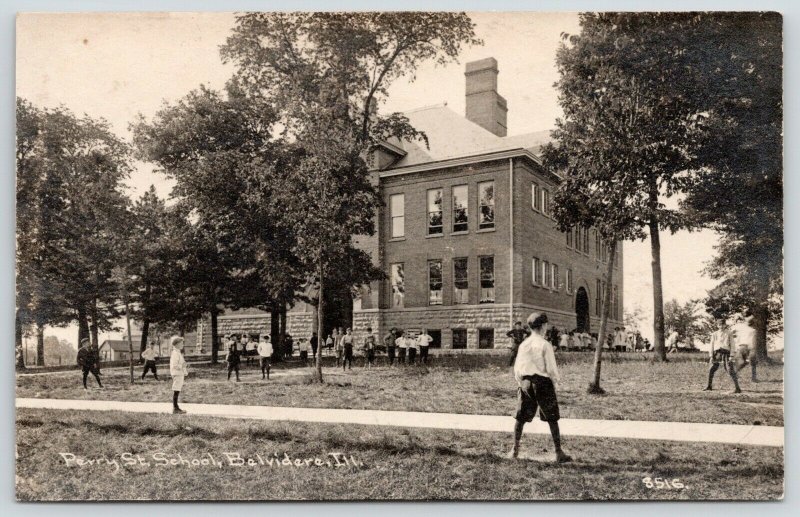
<point>625,429</point>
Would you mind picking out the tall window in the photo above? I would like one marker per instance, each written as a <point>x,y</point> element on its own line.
<point>435,282</point>
<point>460,199</point>
<point>597,246</point>
<point>485,338</point>
<point>554,276</point>
<point>569,281</point>
<point>486,204</point>
<point>569,238</point>
<point>586,240</point>
<point>535,201</point>
<point>487,280</point>
<point>536,273</point>
<point>398,285</point>
<point>435,211</point>
<point>398,211</point>
<point>459,338</point>
<point>545,201</point>
<point>577,238</point>
<point>460,280</point>
<point>546,273</point>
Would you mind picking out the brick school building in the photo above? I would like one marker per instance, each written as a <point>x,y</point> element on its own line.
<point>466,236</point>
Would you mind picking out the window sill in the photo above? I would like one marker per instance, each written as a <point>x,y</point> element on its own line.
<point>397,239</point>
<point>434,235</point>
<point>486,230</point>
<point>465,232</point>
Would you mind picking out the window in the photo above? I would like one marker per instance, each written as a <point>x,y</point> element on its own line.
<point>486,205</point>
<point>554,276</point>
<point>586,240</point>
<point>535,201</point>
<point>546,202</point>
<point>398,212</point>
<point>485,338</point>
<point>536,274</point>
<point>436,335</point>
<point>546,280</point>
<point>569,238</point>
<point>435,212</point>
<point>460,194</point>
<point>435,282</point>
<point>460,281</point>
<point>398,285</point>
<point>577,238</point>
<point>569,281</point>
<point>459,338</point>
<point>487,280</point>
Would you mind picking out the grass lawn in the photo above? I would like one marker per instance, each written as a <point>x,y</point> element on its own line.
<point>637,389</point>
<point>390,463</point>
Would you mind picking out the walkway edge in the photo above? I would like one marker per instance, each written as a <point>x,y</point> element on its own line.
<point>770,436</point>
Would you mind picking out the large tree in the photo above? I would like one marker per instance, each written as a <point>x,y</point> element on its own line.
<point>739,190</point>
<point>325,74</point>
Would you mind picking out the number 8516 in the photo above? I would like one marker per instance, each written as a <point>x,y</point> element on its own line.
<point>660,483</point>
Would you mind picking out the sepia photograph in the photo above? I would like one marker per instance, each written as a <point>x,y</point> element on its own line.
<point>399,256</point>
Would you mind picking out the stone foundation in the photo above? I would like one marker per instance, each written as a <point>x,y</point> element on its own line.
<point>298,324</point>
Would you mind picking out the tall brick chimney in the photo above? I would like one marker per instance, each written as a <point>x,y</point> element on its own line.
<point>485,106</point>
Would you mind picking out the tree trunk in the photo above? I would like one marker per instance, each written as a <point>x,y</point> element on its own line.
<point>274,327</point>
<point>760,323</point>
<point>214,338</point>
<point>83,325</point>
<point>278,350</point>
<point>39,344</point>
<point>93,328</point>
<point>18,346</point>
<point>130,341</point>
<point>594,386</point>
<point>320,320</point>
<point>658,293</point>
<point>145,334</point>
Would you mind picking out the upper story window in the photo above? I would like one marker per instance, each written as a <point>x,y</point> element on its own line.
<point>435,211</point>
<point>435,282</point>
<point>487,279</point>
<point>460,280</point>
<point>547,278</point>
<point>398,285</point>
<point>536,202</point>
<point>486,204</point>
<point>546,202</point>
<point>397,210</point>
<point>536,272</point>
<point>569,238</point>
<point>569,281</point>
<point>460,199</point>
<point>554,276</point>
<point>586,241</point>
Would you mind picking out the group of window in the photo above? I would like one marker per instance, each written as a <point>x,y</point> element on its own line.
<point>603,251</point>
<point>436,282</point>
<point>435,197</point>
<point>545,274</point>
<point>540,199</point>
<point>600,297</point>
<point>578,239</point>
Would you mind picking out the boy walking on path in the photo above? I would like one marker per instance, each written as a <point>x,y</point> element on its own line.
<point>88,359</point>
<point>369,348</point>
<point>518,334</point>
<point>721,346</point>
<point>390,340</point>
<point>233,359</point>
<point>536,374</point>
<point>150,355</point>
<point>264,356</point>
<point>178,370</point>
<point>347,349</point>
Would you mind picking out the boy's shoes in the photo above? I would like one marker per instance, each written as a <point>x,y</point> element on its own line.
<point>513,453</point>
<point>562,457</point>
<point>737,390</point>
<point>707,388</point>
<point>178,411</point>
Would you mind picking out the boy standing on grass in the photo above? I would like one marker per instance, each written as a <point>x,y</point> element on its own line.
<point>517,335</point>
<point>178,370</point>
<point>424,341</point>
<point>264,355</point>
<point>88,357</point>
<point>402,347</point>
<point>150,355</point>
<point>746,346</point>
<point>720,352</point>
<point>302,346</point>
<point>390,340</point>
<point>536,373</point>
<point>347,349</point>
<point>233,359</point>
<point>369,348</point>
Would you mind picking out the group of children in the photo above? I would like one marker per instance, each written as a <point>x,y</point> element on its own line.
<point>249,348</point>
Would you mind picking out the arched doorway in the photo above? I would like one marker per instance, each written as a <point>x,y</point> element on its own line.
<point>582,310</point>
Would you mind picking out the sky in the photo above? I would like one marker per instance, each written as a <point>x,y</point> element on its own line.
<point>118,65</point>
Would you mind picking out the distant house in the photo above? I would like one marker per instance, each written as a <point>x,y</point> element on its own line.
<point>117,350</point>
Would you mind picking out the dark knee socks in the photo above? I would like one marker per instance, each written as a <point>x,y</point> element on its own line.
<point>556,433</point>
<point>175,399</point>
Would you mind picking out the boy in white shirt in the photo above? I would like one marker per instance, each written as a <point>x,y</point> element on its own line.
<point>178,370</point>
<point>720,352</point>
<point>402,347</point>
<point>264,355</point>
<point>536,373</point>
<point>424,341</point>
